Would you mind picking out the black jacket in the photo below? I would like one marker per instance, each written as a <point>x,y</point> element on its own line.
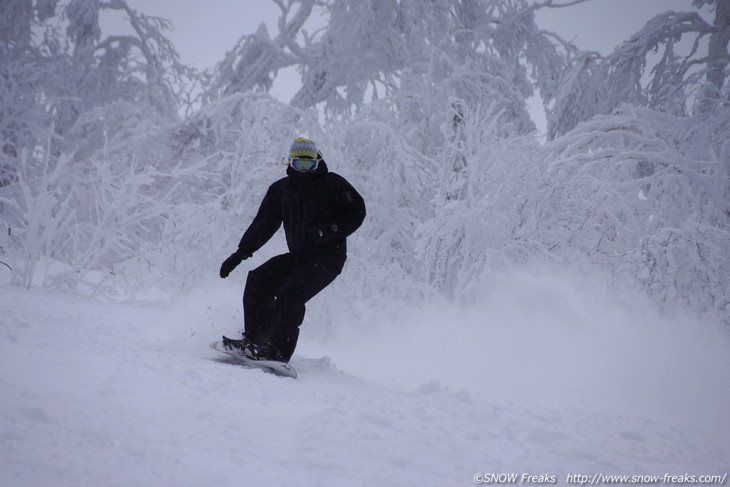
<point>318,209</point>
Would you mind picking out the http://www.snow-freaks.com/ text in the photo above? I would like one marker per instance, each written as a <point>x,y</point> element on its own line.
<point>600,479</point>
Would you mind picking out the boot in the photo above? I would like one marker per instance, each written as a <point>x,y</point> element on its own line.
<point>266,351</point>
<point>242,346</point>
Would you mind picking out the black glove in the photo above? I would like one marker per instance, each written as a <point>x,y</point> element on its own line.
<point>231,262</point>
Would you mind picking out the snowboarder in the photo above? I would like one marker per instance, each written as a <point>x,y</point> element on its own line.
<point>319,209</point>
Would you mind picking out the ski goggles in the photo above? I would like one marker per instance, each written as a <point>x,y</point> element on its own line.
<point>303,164</point>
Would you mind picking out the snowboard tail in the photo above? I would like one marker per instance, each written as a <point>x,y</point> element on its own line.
<point>282,369</point>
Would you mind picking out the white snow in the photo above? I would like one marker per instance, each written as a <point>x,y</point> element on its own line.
<point>544,377</point>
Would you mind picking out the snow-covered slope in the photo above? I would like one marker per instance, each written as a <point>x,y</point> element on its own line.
<point>115,395</point>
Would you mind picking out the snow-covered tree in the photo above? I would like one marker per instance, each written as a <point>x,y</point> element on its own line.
<point>645,194</point>
<point>256,58</point>
<point>65,78</point>
<point>425,113</point>
<point>475,50</point>
<point>676,83</point>
<point>717,54</point>
<point>25,64</point>
<point>68,93</point>
<point>638,168</point>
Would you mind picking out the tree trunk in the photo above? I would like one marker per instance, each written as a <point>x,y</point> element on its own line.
<point>717,53</point>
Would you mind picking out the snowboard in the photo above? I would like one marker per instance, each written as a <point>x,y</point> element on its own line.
<point>281,369</point>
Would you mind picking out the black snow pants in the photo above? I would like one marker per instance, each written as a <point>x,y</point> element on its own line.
<point>275,294</point>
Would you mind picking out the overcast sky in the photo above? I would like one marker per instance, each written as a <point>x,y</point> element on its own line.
<point>204,31</point>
